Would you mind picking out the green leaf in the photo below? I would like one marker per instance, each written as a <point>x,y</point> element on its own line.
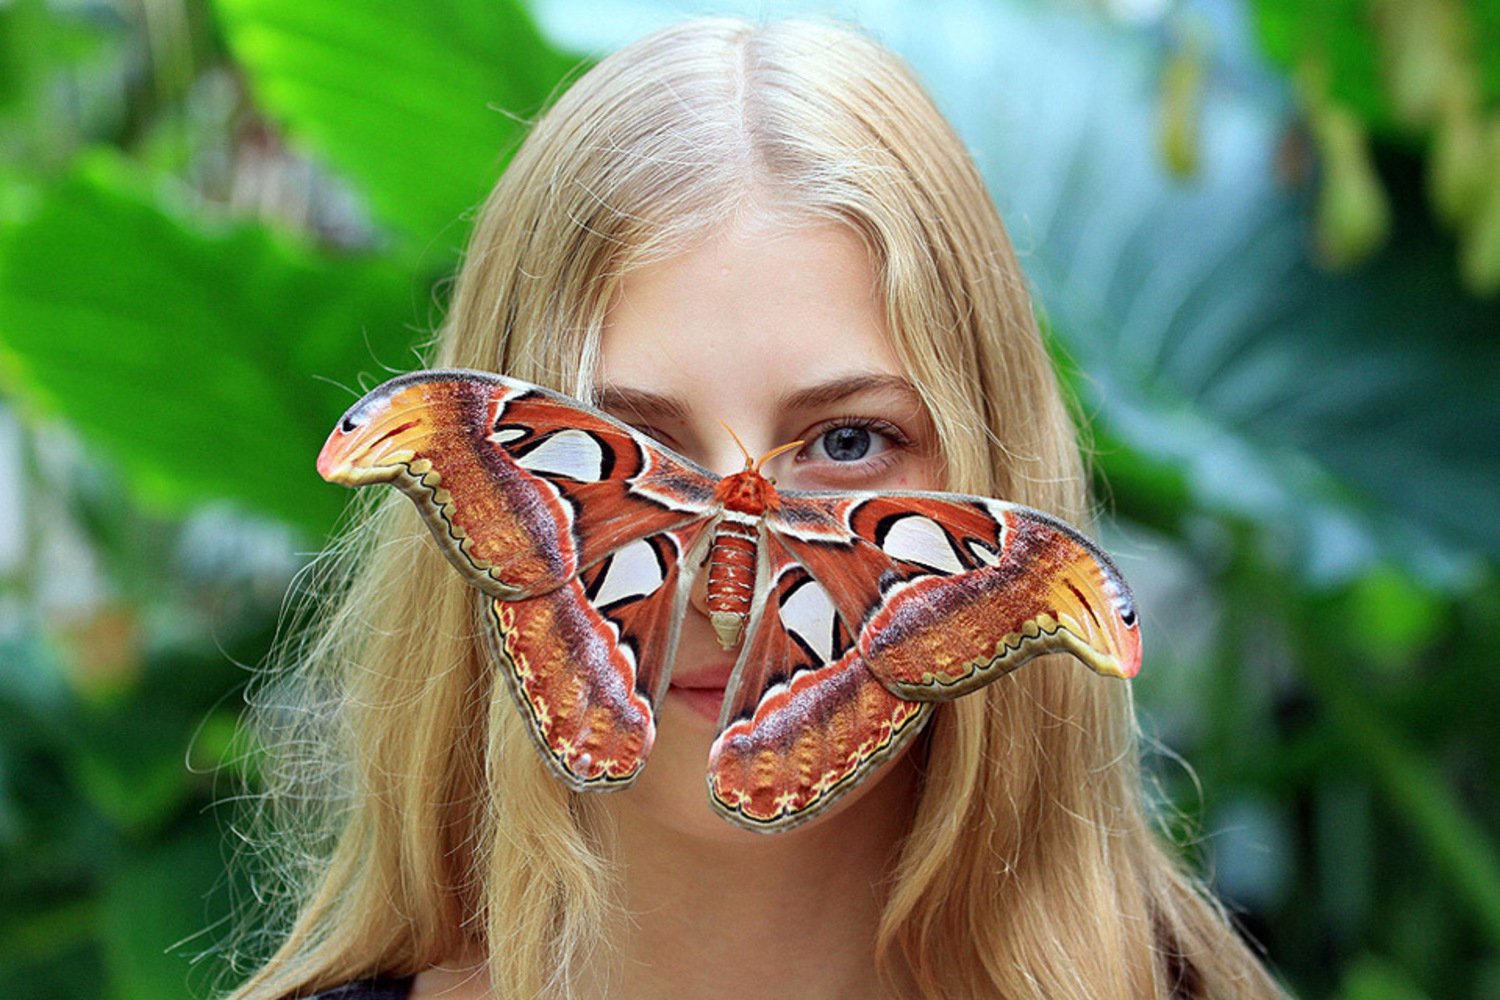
<point>421,103</point>
<point>142,753</point>
<point>201,360</point>
<point>1462,850</point>
<point>50,946</point>
<point>1370,978</point>
<point>157,910</point>
<point>1338,34</point>
<point>1391,62</point>
<point>1390,618</point>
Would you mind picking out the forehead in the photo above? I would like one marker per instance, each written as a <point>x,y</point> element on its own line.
<point>757,304</point>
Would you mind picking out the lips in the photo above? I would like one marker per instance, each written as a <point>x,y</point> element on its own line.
<point>702,688</point>
<point>713,675</point>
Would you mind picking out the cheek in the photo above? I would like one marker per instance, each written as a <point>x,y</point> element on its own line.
<point>914,473</point>
<point>926,473</point>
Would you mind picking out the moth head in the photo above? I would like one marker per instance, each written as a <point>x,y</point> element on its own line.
<point>747,492</point>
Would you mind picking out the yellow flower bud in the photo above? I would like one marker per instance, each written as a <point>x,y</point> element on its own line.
<point>1479,249</point>
<point>1353,214</point>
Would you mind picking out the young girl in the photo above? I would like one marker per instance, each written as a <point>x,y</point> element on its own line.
<point>772,227</point>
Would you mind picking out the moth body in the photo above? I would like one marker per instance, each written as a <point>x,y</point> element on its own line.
<point>731,578</point>
<point>745,496</point>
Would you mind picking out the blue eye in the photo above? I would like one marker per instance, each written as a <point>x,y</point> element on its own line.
<point>846,444</point>
<point>850,452</point>
<point>854,441</point>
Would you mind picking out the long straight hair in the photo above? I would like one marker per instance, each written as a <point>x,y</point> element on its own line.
<point>419,821</point>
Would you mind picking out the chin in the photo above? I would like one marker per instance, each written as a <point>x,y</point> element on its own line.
<point>672,792</point>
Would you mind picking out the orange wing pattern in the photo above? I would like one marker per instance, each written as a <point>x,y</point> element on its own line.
<point>947,592</point>
<point>574,524</point>
<point>804,721</point>
<point>589,662</point>
<point>522,487</point>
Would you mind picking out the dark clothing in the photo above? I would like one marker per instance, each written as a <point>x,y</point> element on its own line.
<point>369,989</point>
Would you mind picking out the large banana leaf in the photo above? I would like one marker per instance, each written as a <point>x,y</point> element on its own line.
<point>420,103</point>
<point>210,363</point>
<point>206,361</point>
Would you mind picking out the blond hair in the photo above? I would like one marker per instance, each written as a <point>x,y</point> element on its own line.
<point>1031,868</point>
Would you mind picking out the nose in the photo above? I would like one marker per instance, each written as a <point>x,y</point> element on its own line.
<point>723,457</point>
<point>698,596</point>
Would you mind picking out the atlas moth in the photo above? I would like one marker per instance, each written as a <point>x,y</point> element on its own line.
<point>853,612</point>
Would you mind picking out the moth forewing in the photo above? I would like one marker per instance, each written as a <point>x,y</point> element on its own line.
<point>690,564</point>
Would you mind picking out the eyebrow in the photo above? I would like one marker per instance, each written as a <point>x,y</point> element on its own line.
<point>639,403</point>
<point>643,403</point>
<point>834,390</point>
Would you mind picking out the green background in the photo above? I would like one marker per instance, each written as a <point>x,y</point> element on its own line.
<point>1265,244</point>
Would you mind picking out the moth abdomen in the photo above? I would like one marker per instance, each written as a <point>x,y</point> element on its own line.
<point>731,578</point>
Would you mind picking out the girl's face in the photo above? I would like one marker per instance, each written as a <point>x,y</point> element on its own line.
<point>780,333</point>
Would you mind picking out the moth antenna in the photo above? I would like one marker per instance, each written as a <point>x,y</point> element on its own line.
<point>749,462</point>
<point>774,452</point>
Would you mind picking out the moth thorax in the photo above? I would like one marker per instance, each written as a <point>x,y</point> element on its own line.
<point>731,579</point>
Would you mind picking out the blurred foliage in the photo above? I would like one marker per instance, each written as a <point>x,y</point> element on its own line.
<point>219,220</point>
<point>420,104</point>
<point>1425,73</point>
<point>249,319</point>
<point>118,714</point>
<point>192,298</point>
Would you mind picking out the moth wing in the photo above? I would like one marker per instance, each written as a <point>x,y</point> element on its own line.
<point>945,593</point>
<point>584,534</point>
<point>588,663</point>
<point>803,720</point>
<point>522,487</point>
